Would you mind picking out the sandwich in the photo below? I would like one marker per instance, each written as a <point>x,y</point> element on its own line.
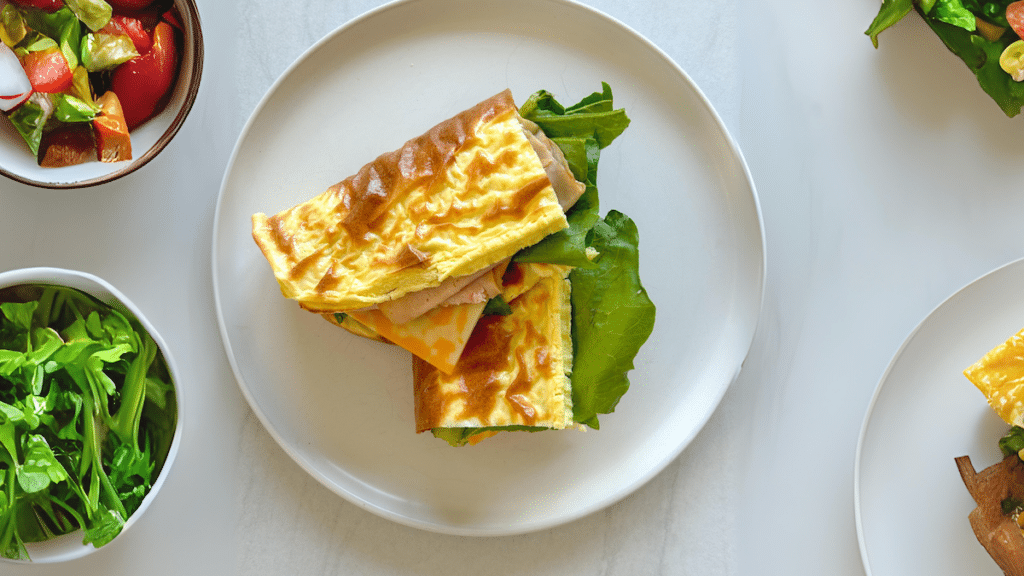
<point>998,491</point>
<point>482,226</point>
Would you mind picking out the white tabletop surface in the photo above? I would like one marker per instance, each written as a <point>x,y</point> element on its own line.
<point>887,181</point>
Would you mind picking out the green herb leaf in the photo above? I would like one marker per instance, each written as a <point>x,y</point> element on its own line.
<point>460,436</point>
<point>72,109</point>
<point>93,13</point>
<point>29,119</point>
<point>891,12</point>
<point>1013,441</point>
<point>612,317</point>
<point>592,117</point>
<point>106,51</point>
<point>953,12</point>
<point>982,57</point>
<point>62,26</point>
<point>87,424</point>
<point>497,307</point>
<point>40,467</point>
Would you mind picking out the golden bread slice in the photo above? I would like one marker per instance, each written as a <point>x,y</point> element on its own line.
<point>465,195</point>
<point>514,370</point>
<point>1000,377</point>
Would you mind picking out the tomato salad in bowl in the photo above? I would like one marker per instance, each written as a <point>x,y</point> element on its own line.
<point>78,77</point>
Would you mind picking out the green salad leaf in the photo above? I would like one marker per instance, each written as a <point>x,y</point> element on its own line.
<point>955,23</point>
<point>62,26</point>
<point>578,140</point>
<point>592,117</point>
<point>460,436</point>
<point>29,120</point>
<point>87,415</point>
<point>1013,441</point>
<point>612,317</point>
<point>891,12</point>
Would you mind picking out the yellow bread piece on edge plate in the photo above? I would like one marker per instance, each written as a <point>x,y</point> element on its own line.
<point>465,195</point>
<point>514,370</point>
<point>1000,377</point>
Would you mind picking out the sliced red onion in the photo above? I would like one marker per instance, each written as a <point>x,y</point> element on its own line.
<point>14,85</point>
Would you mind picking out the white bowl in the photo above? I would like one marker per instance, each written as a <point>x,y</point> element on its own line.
<point>70,546</point>
<point>18,163</point>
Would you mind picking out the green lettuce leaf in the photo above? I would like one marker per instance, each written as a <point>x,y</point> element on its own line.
<point>612,317</point>
<point>952,12</point>
<point>29,120</point>
<point>592,124</point>
<point>87,416</point>
<point>592,117</point>
<point>982,58</point>
<point>891,12</point>
<point>954,22</point>
<point>460,436</point>
<point>62,26</point>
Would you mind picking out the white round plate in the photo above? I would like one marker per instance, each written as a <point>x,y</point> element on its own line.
<point>342,406</point>
<point>911,505</point>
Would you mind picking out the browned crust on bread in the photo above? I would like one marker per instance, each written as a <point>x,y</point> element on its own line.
<point>366,196</point>
<point>996,531</point>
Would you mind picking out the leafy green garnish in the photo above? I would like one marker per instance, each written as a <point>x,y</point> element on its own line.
<point>497,307</point>
<point>87,414</point>
<point>1013,441</point>
<point>579,131</point>
<point>106,51</point>
<point>593,117</point>
<point>612,317</point>
<point>1011,505</point>
<point>954,22</point>
<point>93,13</point>
<point>62,26</point>
<point>29,120</point>
<point>460,436</point>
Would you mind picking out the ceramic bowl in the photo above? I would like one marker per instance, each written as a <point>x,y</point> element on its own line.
<point>148,139</point>
<point>70,546</point>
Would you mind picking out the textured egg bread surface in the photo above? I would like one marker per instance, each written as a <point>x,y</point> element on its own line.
<point>1000,377</point>
<point>514,370</point>
<point>465,195</point>
<point>440,335</point>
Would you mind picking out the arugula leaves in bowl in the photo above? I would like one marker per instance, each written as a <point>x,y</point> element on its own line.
<point>986,35</point>
<point>88,417</point>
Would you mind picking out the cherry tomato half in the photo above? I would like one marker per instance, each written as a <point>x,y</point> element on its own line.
<point>48,5</point>
<point>142,83</point>
<point>1015,16</point>
<point>47,70</point>
<point>128,4</point>
<point>132,28</point>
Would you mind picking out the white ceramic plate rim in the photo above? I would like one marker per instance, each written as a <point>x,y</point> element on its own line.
<point>717,393</point>
<point>884,380</point>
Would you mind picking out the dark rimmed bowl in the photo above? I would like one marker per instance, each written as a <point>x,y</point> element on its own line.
<point>148,140</point>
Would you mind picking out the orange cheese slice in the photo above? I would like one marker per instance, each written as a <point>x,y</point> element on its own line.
<point>439,336</point>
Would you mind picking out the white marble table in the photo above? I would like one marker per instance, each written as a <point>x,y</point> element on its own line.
<point>887,181</point>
